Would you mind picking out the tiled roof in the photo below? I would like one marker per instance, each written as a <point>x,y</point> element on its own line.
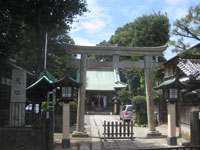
<point>103,79</point>
<point>166,83</point>
<point>190,67</point>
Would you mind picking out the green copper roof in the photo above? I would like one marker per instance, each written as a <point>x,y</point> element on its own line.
<point>103,80</point>
<point>44,77</point>
<point>49,76</point>
<point>166,83</point>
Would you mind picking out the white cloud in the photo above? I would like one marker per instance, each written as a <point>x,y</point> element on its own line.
<point>94,26</point>
<point>83,41</point>
<point>94,21</point>
<point>133,12</point>
<point>175,12</point>
<point>177,9</point>
<point>105,16</point>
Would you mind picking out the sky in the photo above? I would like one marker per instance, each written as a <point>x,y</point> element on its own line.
<point>105,16</point>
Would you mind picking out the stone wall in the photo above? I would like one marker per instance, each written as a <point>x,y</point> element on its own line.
<point>21,139</point>
<point>185,124</point>
<point>185,131</point>
<point>28,138</point>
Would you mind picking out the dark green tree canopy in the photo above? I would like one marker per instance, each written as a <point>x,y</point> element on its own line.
<point>152,30</point>
<point>32,18</point>
<point>23,27</point>
<point>148,30</point>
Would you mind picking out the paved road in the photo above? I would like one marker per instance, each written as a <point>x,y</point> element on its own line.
<point>97,121</point>
<point>94,127</point>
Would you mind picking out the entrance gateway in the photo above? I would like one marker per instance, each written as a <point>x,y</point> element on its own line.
<point>116,52</point>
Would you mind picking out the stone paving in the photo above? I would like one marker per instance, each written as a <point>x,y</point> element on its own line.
<point>94,127</point>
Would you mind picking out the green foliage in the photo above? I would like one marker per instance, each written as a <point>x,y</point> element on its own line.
<point>73,106</point>
<point>187,27</point>
<point>44,105</point>
<point>139,103</point>
<point>123,35</point>
<point>73,113</point>
<point>101,57</point>
<point>194,52</point>
<point>148,30</point>
<point>124,96</point>
<point>24,24</point>
<point>104,43</point>
<point>132,78</point>
<point>152,30</point>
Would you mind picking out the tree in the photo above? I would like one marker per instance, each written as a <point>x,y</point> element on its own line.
<point>187,27</point>
<point>124,96</point>
<point>132,77</point>
<point>148,30</point>
<point>139,103</point>
<point>32,58</point>
<point>123,35</point>
<point>24,23</point>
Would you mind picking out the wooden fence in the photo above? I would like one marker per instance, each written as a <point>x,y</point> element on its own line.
<point>118,130</point>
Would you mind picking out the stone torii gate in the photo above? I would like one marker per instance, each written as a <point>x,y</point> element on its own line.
<point>116,52</point>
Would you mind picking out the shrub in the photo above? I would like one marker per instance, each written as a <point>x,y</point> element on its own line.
<point>73,106</point>
<point>124,96</point>
<point>139,103</point>
<point>44,105</point>
<point>73,113</point>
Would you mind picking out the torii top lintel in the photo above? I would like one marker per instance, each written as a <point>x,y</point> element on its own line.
<point>111,50</point>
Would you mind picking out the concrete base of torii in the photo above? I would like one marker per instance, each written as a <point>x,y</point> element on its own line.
<point>79,134</point>
<point>153,133</point>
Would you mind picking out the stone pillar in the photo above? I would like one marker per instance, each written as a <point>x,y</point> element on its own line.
<point>195,127</point>
<point>18,98</point>
<point>149,98</point>
<point>66,126</point>
<point>115,106</point>
<point>81,99</point>
<point>171,139</point>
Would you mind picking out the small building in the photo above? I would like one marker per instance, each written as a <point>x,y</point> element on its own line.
<point>184,72</point>
<point>101,87</point>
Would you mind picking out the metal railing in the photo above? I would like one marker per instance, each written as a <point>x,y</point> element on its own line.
<point>18,116</point>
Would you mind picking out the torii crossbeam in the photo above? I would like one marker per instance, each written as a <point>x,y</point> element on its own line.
<point>116,52</point>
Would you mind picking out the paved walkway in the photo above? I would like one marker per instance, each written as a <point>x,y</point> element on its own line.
<point>94,127</point>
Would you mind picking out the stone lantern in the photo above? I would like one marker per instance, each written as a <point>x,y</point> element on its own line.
<point>170,87</point>
<point>66,91</point>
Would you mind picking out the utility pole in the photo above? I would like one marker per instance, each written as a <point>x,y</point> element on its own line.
<point>45,53</point>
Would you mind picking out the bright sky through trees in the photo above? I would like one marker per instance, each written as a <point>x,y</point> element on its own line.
<point>106,16</point>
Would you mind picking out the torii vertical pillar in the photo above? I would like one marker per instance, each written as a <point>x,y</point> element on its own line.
<point>81,99</point>
<point>149,98</point>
